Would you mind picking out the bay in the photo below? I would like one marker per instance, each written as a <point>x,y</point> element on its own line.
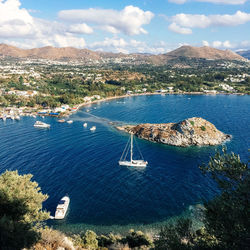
<point>69,158</point>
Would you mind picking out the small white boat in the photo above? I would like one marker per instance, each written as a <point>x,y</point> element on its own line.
<point>93,128</point>
<point>85,124</point>
<point>62,120</point>
<point>4,118</point>
<point>17,118</point>
<point>34,116</point>
<point>12,118</point>
<point>39,124</point>
<point>131,162</point>
<point>70,121</point>
<point>62,208</point>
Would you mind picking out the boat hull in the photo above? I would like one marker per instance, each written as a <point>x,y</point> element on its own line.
<point>134,163</point>
<point>62,208</point>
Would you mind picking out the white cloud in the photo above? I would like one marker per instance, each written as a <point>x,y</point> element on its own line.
<point>81,28</point>
<point>18,27</point>
<point>224,1</point>
<point>233,2</point>
<point>128,46</point>
<point>177,1</point>
<point>187,21</point>
<point>14,21</point>
<point>205,43</point>
<point>177,29</point>
<point>222,45</point>
<point>128,21</point>
<point>227,44</point>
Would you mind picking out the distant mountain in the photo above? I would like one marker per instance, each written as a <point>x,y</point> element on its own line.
<point>70,53</point>
<point>198,53</point>
<point>244,53</point>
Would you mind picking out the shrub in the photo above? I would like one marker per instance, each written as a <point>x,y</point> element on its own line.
<point>203,128</point>
<point>137,239</point>
<point>192,123</point>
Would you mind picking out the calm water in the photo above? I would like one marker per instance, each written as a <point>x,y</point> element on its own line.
<point>71,159</point>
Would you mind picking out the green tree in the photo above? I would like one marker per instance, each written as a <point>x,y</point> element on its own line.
<point>20,210</point>
<point>137,239</point>
<point>89,240</point>
<point>227,215</point>
<point>175,236</point>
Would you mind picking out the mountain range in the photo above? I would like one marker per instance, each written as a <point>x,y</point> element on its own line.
<point>70,53</point>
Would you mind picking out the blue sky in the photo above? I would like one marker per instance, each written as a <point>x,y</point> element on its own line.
<point>154,26</point>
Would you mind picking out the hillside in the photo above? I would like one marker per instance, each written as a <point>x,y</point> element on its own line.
<point>197,53</point>
<point>70,53</point>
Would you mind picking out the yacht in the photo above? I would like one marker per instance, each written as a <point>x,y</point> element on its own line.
<point>85,124</point>
<point>131,162</point>
<point>93,128</point>
<point>70,121</point>
<point>62,208</point>
<point>39,124</point>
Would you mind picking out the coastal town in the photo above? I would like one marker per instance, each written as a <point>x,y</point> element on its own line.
<point>30,87</point>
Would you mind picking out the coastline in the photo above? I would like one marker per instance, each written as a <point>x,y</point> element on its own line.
<point>81,105</point>
<point>76,107</point>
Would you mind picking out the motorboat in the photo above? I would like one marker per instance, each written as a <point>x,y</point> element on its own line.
<point>131,163</point>
<point>93,128</point>
<point>70,121</point>
<point>62,208</point>
<point>62,120</point>
<point>39,124</point>
<point>85,124</point>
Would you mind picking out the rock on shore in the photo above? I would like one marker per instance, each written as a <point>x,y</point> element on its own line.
<point>192,131</point>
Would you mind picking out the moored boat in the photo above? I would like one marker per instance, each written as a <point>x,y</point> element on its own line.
<point>62,208</point>
<point>70,121</point>
<point>39,124</point>
<point>62,120</point>
<point>131,163</point>
<point>85,124</point>
<point>93,128</point>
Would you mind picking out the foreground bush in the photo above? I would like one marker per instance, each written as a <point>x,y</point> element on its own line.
<point>20,210</point>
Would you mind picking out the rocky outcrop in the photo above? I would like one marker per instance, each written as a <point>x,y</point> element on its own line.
<point>192,131</point>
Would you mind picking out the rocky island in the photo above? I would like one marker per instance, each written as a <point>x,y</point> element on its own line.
<point>192,131</point>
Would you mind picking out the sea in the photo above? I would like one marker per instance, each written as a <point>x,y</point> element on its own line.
<point>105,197</point>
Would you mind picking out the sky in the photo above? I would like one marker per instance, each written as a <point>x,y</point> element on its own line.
<point>127,26</point>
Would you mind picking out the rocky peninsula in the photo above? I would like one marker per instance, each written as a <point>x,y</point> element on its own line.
<point>194,131</point>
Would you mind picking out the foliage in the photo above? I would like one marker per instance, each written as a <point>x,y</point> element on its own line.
<point>226,216</point>
<point>226,220</point>
<point>176,236</point>
<point>137,239</point>
<point>53,239</point>
<point>88,240</point>
<point>20,210</point>
<point>192,123</point>
<point>203,128</point>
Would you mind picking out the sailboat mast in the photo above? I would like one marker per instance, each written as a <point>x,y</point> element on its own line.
<point>131,148</point>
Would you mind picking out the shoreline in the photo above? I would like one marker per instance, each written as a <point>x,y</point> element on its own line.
<point>81,105</point>
<point>76,107</point>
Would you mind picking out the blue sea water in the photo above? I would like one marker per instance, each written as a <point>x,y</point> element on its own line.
<point>68,158</point>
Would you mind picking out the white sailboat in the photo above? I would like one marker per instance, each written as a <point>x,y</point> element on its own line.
<point>131,162</point>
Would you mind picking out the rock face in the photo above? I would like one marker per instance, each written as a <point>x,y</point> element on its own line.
<point>192,131</point>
